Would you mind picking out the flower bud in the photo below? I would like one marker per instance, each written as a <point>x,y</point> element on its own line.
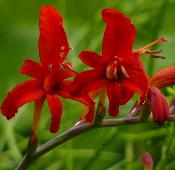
<point>147,161</point>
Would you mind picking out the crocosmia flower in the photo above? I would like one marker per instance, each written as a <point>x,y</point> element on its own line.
<point>118,68</point>
<point>158,103</point>
<point>49,76</point>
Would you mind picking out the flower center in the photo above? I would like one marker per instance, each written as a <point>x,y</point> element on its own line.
<point>116,71</point>
<point>55,87</point>
<point>51,83</point>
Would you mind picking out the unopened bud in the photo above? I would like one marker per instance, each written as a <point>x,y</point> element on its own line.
<point>147,161</point>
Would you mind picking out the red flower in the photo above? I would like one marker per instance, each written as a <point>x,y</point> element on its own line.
<point>158,102</point>
<point>118,68</point>
<point>49,76</point>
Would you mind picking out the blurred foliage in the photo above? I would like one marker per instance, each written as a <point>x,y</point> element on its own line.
<point>110,148</point>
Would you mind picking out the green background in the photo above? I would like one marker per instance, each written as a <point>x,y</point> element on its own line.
<point>109,148</point>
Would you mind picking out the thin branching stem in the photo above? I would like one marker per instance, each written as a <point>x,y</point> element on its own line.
<point>76,131</point>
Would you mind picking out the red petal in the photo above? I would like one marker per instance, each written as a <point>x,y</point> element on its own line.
<point>159,105</point>
<point>55,106</point>
<point>133,62</point>
<point>87,81</point>
<point>33,69</point>
<point>23,93</point>
<point>126,95</point>
<point>138,80</point>
<point>119,34</point>
<point>163,78</point>
<point>114,94</point>
<point>132,86</point>
<point>86,100</point>
<point>90,104</point>
<point>91,58</point>
<point>53,43</point>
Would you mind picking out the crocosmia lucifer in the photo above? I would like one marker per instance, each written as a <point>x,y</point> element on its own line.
<point>48,81</point>
<point>118,69</point>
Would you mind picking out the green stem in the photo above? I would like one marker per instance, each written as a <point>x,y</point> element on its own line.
<point>129,155</point>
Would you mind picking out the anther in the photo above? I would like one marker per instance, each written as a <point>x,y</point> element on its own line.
<point>62,67</point>
<point>156,56</point>
<point>62,48</point>
<point>145,50</point>
<point>50,67</point>
<point>116,57</point>
<point>68,65</point>
<point>115,62</point>
<point>123,70</point>
<point>111,72</point>
<point>62,54</point>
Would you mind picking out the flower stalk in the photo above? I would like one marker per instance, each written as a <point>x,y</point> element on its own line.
<point>78,130</point>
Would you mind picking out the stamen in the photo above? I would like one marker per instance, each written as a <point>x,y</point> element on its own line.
<point>63,48</point>
<point>116,57</point>
<point>50,67</point>
<point>62,54</point>
<point>160,40</point>
<point>111,72</point>
<point>147,51</point>
<point>155,56</point>
<point>144,50</point>
<point>153,51</point>
<point>68,65</point>
<point>123,70</point>
<point>115,62</point>
<point>62,67</point>
<point>116,71</point>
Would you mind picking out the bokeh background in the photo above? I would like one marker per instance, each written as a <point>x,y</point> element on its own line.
<point>116,148</point>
